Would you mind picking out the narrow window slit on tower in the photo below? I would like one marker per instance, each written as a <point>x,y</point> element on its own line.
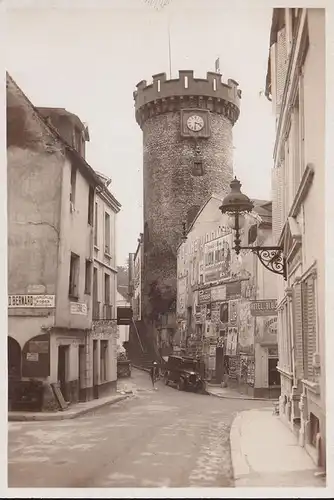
<point>158,85</point>
<point>185,82</point>
<point>214,84</point>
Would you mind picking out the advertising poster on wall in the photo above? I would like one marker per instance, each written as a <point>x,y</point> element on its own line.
<point>266,329</point>
<point>246,325</point>
<point>181,295</point>
<point>215,310</point>
<point>251,372</point>
<point>233,367</point>
<point>232,340</point>
<point>217,258</point>
<point>203,313</point>
<point>218,293</point>
<point>233,290</point>
<point>233,312</point>
<point>208,312</point>
<point>204,296</point>
<point>224,312</point>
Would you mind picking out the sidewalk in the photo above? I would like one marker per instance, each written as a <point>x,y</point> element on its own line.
<point>265,453</point>
<point>73,411</point>
<point>225,392</point>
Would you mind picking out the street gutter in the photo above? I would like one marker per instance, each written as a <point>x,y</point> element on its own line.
<point>64,415</point>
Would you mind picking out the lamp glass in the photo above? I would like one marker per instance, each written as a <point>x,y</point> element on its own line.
<point>231,221</point>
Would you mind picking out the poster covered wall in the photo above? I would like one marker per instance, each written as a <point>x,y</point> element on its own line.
<point>217,258</point>
<point>232,340</point>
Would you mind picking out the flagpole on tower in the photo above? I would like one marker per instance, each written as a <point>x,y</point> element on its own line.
<point>169,50</point>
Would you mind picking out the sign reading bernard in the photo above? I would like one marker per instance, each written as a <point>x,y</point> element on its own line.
<point>217,258</point>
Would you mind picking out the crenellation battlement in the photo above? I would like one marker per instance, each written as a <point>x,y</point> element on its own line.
<point>187,85</point>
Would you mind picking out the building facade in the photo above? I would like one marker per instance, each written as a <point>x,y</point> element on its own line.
<point>226,304</point>
<point>187,135</point>
<point>104,290</point>
<point>296,86</point>
<point>51,190</point>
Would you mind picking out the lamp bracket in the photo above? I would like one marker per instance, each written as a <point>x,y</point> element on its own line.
<point>271,258</point>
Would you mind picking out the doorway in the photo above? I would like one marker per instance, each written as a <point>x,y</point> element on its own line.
<point>274,378</point>
<point>219,364</point>
<point>95,370</point>
<point>63,357</point>
<point>14,367</point>
<point>82,373</point>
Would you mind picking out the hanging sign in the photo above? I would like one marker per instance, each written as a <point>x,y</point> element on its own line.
<point>263,307</point>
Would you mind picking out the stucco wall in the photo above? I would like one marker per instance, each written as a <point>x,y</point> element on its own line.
<point>77,237</point>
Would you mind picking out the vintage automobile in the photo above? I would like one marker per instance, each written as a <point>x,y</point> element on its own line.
<point>183,372</point>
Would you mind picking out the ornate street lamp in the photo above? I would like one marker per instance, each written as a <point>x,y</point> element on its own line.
<point>236,205</point>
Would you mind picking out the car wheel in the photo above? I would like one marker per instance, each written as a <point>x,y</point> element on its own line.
<point>180,385</point>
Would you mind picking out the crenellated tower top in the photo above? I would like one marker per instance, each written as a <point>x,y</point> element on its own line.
<point>164,95</point>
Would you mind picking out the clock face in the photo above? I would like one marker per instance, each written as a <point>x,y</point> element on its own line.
<point>195,123</point>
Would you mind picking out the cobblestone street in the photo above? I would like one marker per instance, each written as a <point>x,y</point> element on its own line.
<point>154,439</point>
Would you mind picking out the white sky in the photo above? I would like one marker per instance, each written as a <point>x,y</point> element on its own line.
<point>89,59</point>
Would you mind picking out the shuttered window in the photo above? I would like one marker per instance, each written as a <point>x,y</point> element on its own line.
<point>309,326</point>
<point>298,329</point>
<point>278,200</point>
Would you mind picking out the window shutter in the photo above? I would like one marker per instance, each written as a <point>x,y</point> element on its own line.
<point>278,200</point>
<point>309,324</point>
<point>311,333</point>
<point>298,328</point>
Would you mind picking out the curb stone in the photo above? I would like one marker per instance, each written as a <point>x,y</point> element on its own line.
<point>240,397</point>
<point>67,414</point>
<point>239,464</point>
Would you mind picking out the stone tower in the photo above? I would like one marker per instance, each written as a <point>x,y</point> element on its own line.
<point>187,155</point>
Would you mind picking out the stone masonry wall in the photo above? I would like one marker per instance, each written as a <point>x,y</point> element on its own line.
<point>171,191</point>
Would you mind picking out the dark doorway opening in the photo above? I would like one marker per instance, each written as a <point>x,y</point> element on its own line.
<point>219,364</point>
<point>14,367</point>
<point>273,374</point>
<point>63,354</point>
<point>95,371</point>
<point>82,373</point>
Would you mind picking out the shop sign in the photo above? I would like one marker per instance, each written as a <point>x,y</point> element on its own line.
<point>273,351</point>
<point>263,307</point>
<point>233,290</point>
<point>212,351</point>
<point>78,308</point>
<point>32,356</point>
<point>218,293</point>
<point>31,301</point>
<point>270,326</point>
<point>39,346</point>
<point>204,296</point>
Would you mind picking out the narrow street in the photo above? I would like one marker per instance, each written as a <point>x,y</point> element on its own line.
<point>162,438</point>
